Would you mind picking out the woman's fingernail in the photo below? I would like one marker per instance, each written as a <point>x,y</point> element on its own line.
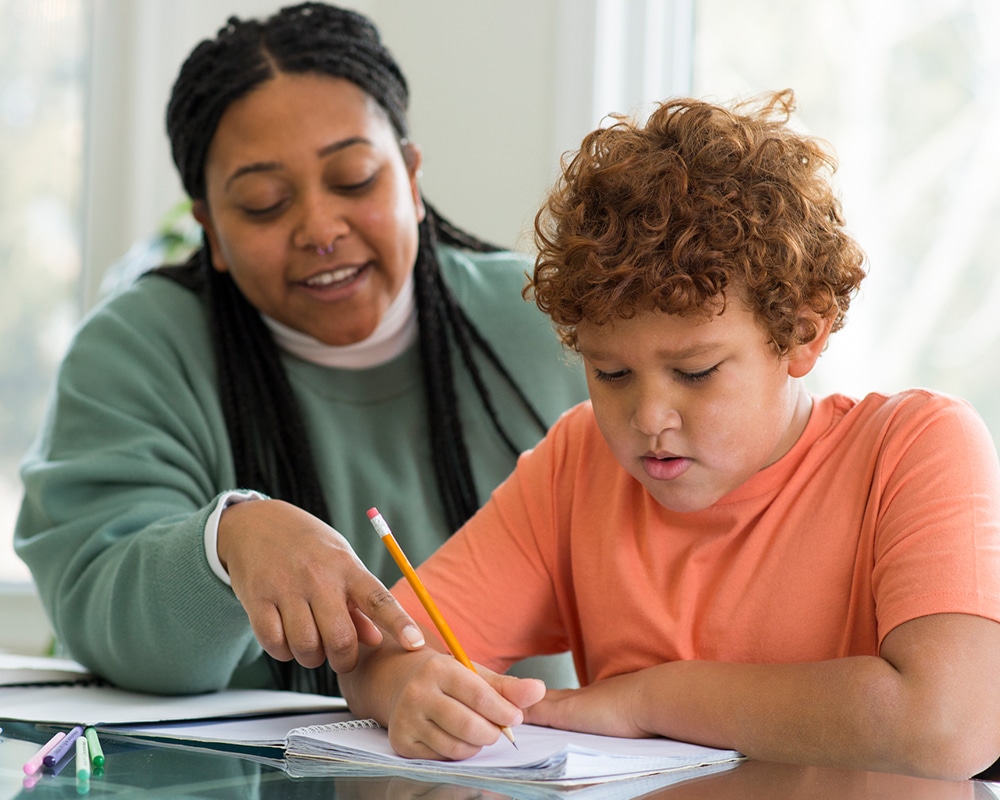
<point>412,636</point>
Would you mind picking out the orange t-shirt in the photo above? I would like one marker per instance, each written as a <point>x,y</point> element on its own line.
<point>885,509</point>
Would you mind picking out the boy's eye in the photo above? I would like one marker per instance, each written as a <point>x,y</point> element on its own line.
<point>610,377</point>
<point>695,377</point>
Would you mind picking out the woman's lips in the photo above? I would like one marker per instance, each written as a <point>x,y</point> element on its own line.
<point>328,278</point>
<point>334,284</point>
<point>665,469</point>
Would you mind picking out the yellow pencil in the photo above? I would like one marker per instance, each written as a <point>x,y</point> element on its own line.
<point>382,528</point>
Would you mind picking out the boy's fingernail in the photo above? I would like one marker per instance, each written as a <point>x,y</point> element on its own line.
<point>412,636</point>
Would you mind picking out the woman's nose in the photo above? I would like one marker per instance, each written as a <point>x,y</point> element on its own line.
<point>321,223</point>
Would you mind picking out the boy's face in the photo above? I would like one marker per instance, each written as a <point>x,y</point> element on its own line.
<point>692,406</point>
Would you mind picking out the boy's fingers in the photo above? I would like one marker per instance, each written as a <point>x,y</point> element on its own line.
<point>521,692</point>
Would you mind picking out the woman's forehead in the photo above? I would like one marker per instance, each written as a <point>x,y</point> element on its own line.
<point>311,113</point>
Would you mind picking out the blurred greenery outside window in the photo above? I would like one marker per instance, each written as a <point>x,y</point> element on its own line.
<point>42,63</point>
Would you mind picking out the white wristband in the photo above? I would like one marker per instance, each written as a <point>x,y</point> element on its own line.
<point>230,498</point>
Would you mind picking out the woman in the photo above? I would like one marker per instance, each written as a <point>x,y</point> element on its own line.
<point>198,493</point>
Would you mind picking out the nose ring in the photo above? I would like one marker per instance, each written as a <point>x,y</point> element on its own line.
<point>325,251</point>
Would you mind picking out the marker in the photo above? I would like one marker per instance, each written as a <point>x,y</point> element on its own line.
<point>382,528</point>
<point>58,767</point>
<point>62,747</point>
<point>96,753</point>
<point>82,766</point>
<point>82,758</point>
<point>35,762</point>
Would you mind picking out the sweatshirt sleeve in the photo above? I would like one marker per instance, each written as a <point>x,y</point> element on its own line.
<point>130,462</point>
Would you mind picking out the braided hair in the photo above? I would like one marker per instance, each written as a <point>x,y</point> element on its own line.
<point>266,428</point>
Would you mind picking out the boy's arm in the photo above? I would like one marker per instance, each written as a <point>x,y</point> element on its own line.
<point>432,705</point>
<point>930,705</point>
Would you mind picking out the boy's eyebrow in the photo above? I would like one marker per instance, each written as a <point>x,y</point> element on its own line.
<point>666,353</point>
<point>268,166</point>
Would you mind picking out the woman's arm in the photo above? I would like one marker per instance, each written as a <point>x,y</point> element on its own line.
<point>930,705</point>
<point>119,485</point>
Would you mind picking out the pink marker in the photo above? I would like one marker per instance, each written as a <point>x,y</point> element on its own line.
<point>35,762</point>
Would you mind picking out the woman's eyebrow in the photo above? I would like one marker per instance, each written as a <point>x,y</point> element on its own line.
<point>323,152</point>
<point>246,169</point>
<point>333,147</point>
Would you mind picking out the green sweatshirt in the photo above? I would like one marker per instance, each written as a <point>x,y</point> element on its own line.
<point>133,455</point>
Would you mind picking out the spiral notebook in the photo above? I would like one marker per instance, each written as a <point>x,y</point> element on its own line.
<point>336,743</point>
<point>542,754</point>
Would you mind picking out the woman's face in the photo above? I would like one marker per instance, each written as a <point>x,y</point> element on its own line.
<point>312,206</point>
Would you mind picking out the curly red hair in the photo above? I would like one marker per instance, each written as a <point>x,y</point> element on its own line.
<point>702,203</point>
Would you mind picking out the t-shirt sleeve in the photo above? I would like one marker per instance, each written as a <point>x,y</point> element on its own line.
<point>495,580</point>
<point>939,508</point>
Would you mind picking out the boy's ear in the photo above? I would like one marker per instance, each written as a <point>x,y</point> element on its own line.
<point>803,357</point>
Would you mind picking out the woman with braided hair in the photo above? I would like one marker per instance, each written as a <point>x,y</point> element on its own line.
<point>194,511</point>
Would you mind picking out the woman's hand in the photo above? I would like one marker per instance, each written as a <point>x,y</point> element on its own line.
<point>307,594</point>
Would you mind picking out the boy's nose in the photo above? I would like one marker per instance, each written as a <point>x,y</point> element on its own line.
<point>654,413</point>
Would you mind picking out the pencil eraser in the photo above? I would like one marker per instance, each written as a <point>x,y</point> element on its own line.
<point>372,513</point>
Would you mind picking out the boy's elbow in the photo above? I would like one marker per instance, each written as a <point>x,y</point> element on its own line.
<point>954,750</point>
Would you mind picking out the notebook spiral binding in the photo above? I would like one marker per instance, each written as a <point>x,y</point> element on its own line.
<point>346,725</point>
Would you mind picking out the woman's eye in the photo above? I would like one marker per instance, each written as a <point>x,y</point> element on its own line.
<point>695,377</point>
<point>260,212</point>
<point>350,187</point>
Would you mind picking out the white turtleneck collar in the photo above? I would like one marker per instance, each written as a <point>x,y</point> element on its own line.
<point>395,332</point>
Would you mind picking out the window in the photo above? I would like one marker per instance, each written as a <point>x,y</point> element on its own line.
<point>907,93</point>
<point>902,89</point>
<point>41,139</point>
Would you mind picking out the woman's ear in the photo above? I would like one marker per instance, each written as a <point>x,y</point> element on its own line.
<point>413,157</point>
<point>803,356</point>
<point>199,209</point>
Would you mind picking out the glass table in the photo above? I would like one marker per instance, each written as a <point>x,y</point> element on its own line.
<point>145,770</point>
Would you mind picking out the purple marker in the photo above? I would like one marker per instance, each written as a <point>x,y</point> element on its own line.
<point>62,747</point>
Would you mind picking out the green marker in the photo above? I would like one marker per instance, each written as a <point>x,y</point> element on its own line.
<point>96,753</point>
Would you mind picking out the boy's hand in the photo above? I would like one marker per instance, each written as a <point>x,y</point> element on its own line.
<point>605,707</point>
<point>440,709</point>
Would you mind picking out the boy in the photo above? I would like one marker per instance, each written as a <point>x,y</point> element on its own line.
<point>731,561</point>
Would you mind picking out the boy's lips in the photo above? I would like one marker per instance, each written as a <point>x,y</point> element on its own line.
<point>665,468</point>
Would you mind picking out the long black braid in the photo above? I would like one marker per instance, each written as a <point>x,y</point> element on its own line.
<point>269,441</point>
